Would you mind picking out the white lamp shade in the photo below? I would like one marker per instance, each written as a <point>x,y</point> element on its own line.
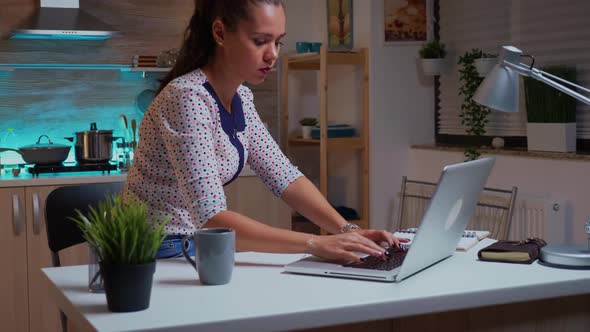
<point>499,90</point>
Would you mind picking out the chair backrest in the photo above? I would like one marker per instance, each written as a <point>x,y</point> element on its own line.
<point>493,212</point>
<point>62,203</point>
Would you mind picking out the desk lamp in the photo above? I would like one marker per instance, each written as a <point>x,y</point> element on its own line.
<point>500,91</point>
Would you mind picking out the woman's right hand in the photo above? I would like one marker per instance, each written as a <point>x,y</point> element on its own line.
<point>342,247</point>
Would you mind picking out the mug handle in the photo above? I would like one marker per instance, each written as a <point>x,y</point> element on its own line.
<point>185,253</point>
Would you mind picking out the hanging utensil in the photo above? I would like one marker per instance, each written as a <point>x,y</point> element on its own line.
<point>133,129</point>
<point>124,127</point>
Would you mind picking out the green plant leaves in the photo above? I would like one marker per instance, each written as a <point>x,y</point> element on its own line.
<point>433,50</point>
<point>473,116</point>
<point>308,121</point>
<point>120,233</point>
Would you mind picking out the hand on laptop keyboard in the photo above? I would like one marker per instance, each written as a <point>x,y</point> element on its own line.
<point>393,258</point>
<point>346,247</point>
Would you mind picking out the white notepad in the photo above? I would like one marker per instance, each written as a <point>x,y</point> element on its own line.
<point>468,240</point>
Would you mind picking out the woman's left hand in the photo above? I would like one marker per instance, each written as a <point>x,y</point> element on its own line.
<point>379,236</point>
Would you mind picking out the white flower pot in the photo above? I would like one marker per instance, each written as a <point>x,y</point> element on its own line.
<point>498,142</point>
<point>432,66</point>
<point>553,137</point>
<point>484,65</point>
<point>306,131</point>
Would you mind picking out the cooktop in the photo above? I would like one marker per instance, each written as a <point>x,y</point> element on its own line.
<point>71,167</point>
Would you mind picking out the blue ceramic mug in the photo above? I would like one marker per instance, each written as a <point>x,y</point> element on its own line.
<point>214,254</point>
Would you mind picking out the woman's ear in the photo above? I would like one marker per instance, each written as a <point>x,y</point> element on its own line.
<point>218,31</point>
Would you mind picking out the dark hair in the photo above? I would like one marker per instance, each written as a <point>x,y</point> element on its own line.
<point>198,43</point>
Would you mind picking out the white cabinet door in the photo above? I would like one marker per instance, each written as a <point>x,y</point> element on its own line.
<point>14,314</point>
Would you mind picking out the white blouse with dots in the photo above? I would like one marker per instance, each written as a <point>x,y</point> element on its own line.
<point>190,146</point>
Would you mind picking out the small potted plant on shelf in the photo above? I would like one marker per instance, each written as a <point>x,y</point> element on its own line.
<point>126,245</point>
<point>551,114</point>
<point>485,63</point>
<point>432,55</point>
<point>306,125</point>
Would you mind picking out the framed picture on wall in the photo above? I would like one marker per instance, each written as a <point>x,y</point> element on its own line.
<point>406,21</point>
<point>340,29</point>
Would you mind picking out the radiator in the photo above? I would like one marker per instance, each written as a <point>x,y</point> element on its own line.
<point>542,217</point>
<point>538,216</point>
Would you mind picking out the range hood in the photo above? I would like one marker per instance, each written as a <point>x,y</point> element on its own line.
<point>62,19</point>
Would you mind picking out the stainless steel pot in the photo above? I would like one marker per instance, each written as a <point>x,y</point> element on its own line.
<point>93,146</point>
<point>42,153</point>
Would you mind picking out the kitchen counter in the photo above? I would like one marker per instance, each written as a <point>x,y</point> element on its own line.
<point>24,179</point>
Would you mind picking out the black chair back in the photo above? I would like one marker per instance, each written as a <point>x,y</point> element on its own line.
<point>62,203</point>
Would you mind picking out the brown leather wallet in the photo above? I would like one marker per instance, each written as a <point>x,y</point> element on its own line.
<point>519,252</point>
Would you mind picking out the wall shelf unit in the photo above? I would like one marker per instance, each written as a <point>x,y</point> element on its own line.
<point>358,144</point>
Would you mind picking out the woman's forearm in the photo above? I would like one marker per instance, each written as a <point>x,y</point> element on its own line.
<point>252,235</point>
<point>305,198</point>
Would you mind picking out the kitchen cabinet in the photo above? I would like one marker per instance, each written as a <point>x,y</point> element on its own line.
<point>26,305</point>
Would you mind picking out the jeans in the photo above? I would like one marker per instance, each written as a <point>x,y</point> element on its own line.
<point>171,247</point>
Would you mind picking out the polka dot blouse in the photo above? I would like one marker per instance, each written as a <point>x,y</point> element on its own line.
<point>190,147</point>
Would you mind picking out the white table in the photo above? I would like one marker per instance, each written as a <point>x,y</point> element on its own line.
<point>261,297</point>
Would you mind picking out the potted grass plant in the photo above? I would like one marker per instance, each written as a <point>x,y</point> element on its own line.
<point>126,245</point>
<point>306,125</point>
<point>551,114</point>
<point>432,57</point>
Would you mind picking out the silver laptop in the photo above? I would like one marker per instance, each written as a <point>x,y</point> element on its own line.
<point>451,206</point>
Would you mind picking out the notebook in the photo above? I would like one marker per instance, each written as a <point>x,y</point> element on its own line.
<point>469,238</point>
<point>450,208</point>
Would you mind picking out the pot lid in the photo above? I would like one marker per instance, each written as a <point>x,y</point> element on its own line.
<point>95,131</point>
<point>48,145</point>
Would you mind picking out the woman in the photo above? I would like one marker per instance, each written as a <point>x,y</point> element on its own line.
<point>202,127</point>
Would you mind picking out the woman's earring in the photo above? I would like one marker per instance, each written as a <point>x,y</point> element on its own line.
<point>220,43</point>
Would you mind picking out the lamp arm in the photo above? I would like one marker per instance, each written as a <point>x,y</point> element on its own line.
<point>557,78</point>
<point>542,76</point>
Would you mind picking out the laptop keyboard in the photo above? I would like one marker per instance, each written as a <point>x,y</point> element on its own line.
<point>393,258</point>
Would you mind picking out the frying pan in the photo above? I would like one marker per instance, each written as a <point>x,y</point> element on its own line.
<point>42,153</point>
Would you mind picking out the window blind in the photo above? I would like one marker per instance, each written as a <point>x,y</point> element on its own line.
<point>554,32</point>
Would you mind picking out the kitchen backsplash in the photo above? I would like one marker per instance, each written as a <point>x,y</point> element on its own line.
<point>59,103</point>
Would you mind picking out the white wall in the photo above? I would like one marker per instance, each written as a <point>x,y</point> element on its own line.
<point>401,114</point>
<point>543,178</point>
